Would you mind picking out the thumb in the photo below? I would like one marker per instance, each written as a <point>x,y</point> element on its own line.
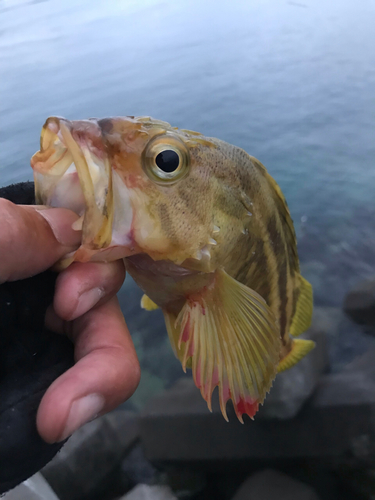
<point>33,239</point>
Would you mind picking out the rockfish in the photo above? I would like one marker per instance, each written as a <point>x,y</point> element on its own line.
<point>204,231</point>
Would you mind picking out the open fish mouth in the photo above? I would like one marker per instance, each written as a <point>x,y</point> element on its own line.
<point>72,170</point>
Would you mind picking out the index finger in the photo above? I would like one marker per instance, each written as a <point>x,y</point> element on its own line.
<point>32,240</point>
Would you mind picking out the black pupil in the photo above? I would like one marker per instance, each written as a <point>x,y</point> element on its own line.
<point>168,160</point>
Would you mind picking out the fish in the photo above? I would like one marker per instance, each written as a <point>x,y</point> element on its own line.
<point>205,232</point>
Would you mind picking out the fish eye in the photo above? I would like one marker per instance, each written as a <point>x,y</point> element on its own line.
<point>166,159</point>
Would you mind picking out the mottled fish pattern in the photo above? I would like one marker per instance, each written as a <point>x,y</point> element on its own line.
<point>203,229</point>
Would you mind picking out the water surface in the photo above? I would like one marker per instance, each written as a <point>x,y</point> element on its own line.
<point>290,82</point>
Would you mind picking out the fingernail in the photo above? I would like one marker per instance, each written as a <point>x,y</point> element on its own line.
<point>83,410</point>
<point>60,221</point>
<point>87,301</point>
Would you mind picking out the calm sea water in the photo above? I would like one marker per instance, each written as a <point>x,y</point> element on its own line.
<point>292,82</point>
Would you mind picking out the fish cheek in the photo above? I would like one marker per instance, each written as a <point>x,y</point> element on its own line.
<point>190,213</point>
<point>167,223</point>
<point>192,198</point>
<point>185,232</point>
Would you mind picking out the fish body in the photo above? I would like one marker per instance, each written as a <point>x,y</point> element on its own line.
<point>204,230</point>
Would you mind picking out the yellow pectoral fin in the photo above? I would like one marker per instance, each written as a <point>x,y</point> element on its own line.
<point>230,337</point>
<point>302,317</point>
<point>300,348</point>
<point>148,304</point>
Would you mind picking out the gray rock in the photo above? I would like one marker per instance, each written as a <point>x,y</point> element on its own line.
<point>91,454</point>
<point>355,385</point>
<point>146,492</point>
<point>337,421</point>
<point>359,303</point>
<point>34,488</point>
<point>327,319</point>
<point>273,485</point>
<point>293,387</point>
<point>136,469</point>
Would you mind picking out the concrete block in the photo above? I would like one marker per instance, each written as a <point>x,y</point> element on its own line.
<point>177,425</point>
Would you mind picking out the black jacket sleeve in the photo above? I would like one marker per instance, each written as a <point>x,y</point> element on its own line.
<point>31,358</point>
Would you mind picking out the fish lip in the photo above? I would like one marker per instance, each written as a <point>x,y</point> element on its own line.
<point>80,146</point>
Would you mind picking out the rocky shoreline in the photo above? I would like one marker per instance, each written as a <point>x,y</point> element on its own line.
<point>313,439</point>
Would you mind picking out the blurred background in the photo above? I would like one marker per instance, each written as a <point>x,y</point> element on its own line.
<point>291,82</point>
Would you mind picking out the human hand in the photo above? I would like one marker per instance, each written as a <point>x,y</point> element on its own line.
<point>85,308</point>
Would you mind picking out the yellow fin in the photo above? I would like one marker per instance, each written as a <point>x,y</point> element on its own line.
<point>302,317</point>
<point>229,335</point>
<point>300,348</point>
<point>148,304</point>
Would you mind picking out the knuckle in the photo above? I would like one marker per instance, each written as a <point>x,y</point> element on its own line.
<point>9,223</point>
<point>5,205</point>
<point>9,231</point>
<point>13,227</point>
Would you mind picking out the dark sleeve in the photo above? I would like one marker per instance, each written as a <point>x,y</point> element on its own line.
<point>31,358</point>
<point>21,193</point>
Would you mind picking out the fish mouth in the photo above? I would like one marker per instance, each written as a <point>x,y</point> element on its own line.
<point>72,170</point>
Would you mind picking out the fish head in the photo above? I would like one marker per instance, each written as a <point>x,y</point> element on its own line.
<point>139,186</point>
